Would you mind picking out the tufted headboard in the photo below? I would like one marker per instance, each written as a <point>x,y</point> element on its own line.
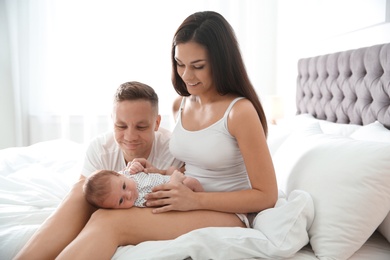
<point>349,87</point>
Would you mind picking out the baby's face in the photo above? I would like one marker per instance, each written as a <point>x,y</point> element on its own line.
<point>123,193</point>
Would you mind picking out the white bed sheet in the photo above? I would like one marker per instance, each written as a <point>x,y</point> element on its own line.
<point>35,179</point>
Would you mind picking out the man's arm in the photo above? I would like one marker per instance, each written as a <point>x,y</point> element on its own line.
<point>61,227</point>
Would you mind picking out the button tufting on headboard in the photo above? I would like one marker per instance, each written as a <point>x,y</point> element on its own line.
<point>346,87</point>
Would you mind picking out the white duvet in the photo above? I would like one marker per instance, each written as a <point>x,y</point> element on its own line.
<point>34,179</point>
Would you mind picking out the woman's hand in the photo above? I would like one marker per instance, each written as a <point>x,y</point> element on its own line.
<point>172,196</point>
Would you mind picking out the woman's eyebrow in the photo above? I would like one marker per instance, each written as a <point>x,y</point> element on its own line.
<point>192,62</point>
<point>196,61</point>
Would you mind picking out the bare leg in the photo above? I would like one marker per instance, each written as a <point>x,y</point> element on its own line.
<point>108,229</point>
<point>60,228</point>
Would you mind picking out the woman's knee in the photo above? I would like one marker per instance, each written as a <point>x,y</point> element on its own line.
<point>108,218</point>
<point>103,216</point>
<point>111,223</point>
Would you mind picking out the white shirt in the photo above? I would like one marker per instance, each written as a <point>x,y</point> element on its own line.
<point>211,155</point>
<point>104,153</point>
<point>145,183</point>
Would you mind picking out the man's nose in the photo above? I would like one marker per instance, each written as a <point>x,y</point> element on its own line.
<point>130,133</point>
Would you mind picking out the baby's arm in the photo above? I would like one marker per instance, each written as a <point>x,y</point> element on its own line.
<point>142,165</point>
<point>190,182</point>
<point>135,167</point>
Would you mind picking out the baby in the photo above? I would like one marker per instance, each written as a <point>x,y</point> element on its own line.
<point>118,190</point>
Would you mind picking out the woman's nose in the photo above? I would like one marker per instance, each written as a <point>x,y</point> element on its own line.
<point>187,74</point>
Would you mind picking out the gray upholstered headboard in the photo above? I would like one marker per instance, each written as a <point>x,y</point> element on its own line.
<point>350,87</point>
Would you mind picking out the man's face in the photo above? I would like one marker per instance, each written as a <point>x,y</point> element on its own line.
<point>134,124</point>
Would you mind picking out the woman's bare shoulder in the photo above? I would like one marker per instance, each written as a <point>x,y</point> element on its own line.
<point>242,115</point>
<point>242,106</point>
<point>176,106</point>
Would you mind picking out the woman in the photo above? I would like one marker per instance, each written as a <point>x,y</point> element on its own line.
<point>220,134</point>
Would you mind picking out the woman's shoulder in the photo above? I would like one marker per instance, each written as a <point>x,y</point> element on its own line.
<point>242,110</point>
<point>241,104</point>
<point>176,105</point>
<point>243,118</point>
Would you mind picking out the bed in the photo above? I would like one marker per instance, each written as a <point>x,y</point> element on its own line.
<point>332,161</point>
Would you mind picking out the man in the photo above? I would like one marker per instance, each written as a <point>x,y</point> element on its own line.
<point>135,137</point>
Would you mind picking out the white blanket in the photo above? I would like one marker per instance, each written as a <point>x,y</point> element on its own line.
<point>34,180</point>
<point>278,233</point>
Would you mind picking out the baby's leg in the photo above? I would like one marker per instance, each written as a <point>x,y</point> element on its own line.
<point>190,182</point>
<point>193,184</point>
<point>177,176</point>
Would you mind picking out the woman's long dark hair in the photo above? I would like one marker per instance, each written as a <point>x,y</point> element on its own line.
<point>211,30</point>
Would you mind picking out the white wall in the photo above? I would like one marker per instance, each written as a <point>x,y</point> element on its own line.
<point>285,31</point>
<point>309,28</point>
<point>73,66</point>
<point>7,130</point>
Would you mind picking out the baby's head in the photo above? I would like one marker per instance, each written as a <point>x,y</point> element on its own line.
<point>110,189</point>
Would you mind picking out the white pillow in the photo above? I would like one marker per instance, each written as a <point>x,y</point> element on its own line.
<point>297,121</point>
<point>278,133</point>
<point>372,132</point>
<point>289,152</point>
<point>276,136</point>
<point>378,133</point>
<point>327,127</point>
<point>338,129</point>
<point>348,181</point>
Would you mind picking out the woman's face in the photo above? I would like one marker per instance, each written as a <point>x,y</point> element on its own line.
<point>135,122</point>
<point>194,68</point>
<point>123,193</point>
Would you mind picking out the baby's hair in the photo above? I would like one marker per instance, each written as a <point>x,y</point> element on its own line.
<point>96,187</point>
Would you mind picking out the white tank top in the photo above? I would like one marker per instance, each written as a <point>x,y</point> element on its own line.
<point>211,155</point>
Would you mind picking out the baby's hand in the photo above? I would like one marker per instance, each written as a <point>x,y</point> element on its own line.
<point>135,167</point>
<point>143,166</point>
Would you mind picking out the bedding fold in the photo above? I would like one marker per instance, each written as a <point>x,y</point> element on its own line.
<point>278,232</point>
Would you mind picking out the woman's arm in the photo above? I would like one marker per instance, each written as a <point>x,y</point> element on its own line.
<point>61,227</point>
<point>244,124</point>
